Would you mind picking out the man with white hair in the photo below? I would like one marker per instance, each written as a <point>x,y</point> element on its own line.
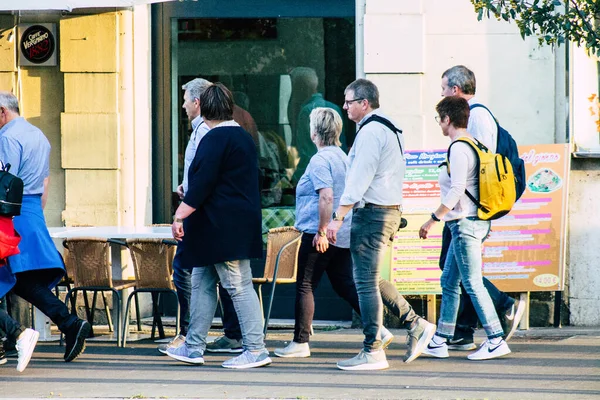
<point>37,269</point>
<point>231,342</point>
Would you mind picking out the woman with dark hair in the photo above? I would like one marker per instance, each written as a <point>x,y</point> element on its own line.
<point>463,262</point>
<point>218,226</point>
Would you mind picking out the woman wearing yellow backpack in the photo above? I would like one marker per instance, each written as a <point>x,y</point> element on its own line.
<point>464,261</point>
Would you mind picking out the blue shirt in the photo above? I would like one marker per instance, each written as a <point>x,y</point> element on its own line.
<point>27,150</point>
<point>326,169</point>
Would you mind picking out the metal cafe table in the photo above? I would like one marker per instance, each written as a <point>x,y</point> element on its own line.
<point>119,233</point>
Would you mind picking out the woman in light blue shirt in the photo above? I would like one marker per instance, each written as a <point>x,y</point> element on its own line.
<point>317,195</point>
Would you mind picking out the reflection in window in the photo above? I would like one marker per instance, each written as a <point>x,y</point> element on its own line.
<point>278,71</point>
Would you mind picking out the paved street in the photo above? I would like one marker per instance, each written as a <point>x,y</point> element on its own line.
<point>546,363</point>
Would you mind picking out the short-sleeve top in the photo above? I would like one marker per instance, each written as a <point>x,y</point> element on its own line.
<point>326,169</point>
<point>27,150</point>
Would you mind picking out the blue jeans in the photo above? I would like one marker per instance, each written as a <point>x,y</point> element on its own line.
<point>182,278</point>
<point>371,234</point>
<point>236,278</point>
<point>466,322</point>
<point>464,263</point>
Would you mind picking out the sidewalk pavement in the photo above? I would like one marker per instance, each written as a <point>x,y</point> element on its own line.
<point>545,363</point>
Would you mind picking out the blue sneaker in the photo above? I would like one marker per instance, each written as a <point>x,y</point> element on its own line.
<point>248,359</point>
<point>185,354</point>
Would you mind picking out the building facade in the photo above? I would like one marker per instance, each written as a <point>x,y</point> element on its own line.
<point>111,107</point>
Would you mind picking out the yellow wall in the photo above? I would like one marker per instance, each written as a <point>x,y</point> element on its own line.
<point>86,107</point>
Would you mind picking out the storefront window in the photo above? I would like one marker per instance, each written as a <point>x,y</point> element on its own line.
<point>278,69</point>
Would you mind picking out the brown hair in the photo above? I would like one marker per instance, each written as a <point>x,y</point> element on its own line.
<point>456,108</point>
<point>216,103</point>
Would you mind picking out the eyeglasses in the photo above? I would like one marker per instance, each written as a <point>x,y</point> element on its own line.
<point>348,102</point>
<point>438,119</point>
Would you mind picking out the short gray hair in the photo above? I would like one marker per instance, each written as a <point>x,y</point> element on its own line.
<point>306,75</point>
<point>196,87</point>
<point>365,89</point>
<point>461,77</point>
<point>327,124</point>
<point>9,101</point>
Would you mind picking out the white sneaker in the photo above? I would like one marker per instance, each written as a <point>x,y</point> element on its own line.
<point>514,315</point>
<point>438,350</point>
<point>175,342</point>
<point>488,350</point>
<point>365,361</point>
<point>386,337</point>
<point>25,344</point>
<point>294,349</point>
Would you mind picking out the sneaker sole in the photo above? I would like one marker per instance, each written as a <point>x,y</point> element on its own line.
<point>257,364</point>
<point>79,347</point>
<point>462,347</point>
<point>491,355</point>
<point>231,351</point>
<point>516,319</point>
<point>387,342</point>
<point>3,361</point>
<point>162,351</point>
<point>187,360</point>
<point>366,367</point>
<point>25,361</point>
<point>423,342</point>
<point>303,354</point>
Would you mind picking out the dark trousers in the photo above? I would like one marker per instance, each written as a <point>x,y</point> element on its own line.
<point>32,286</point>
<point>182,278</point>
<point>9,327</point>
<point>337,262</point>
<point>467,319</point>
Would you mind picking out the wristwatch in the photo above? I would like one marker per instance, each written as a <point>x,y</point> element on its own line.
<point>178,220</point>
<point>434,217</point>
<point>336,217</point>
<point>322,233</point>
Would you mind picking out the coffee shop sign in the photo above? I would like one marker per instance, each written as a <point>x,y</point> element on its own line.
<point>37,44</point>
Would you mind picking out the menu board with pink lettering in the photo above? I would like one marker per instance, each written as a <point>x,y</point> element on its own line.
<point>525,250</point>
<point>414,262</point>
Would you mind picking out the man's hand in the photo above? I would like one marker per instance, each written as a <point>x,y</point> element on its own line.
<point>332,229</point>
<point>180,192</point>
<point>320,243</point>
<point>424,231</point>
<point>177,230</point>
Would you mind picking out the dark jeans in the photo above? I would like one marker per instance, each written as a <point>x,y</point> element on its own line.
<point>372,232</point>
<point>467,319</point>
<point>337,262</point>
<point>9,327</point>
<point>32,286</point>
<point>182,278</point>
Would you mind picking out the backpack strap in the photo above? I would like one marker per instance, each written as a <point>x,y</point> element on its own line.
<point>387,123</point>
<point>474,144</point>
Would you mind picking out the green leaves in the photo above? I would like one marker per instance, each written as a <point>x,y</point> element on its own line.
<point>551,21</point>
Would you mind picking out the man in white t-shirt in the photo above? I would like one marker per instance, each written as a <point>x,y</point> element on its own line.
<point>460,81</point>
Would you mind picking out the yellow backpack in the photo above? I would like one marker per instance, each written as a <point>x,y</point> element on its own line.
<point>497,193</point>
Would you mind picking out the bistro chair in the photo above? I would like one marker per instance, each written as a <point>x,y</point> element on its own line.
<point>153,266</point>
<point>281,264</point>
<point>92,271</point>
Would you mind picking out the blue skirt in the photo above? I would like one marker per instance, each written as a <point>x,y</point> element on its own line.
<point>37,250</point>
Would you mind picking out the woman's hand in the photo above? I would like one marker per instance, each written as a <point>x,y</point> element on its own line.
<point>320,243</point>
<point>177,229</point>
<point>424,231</point>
